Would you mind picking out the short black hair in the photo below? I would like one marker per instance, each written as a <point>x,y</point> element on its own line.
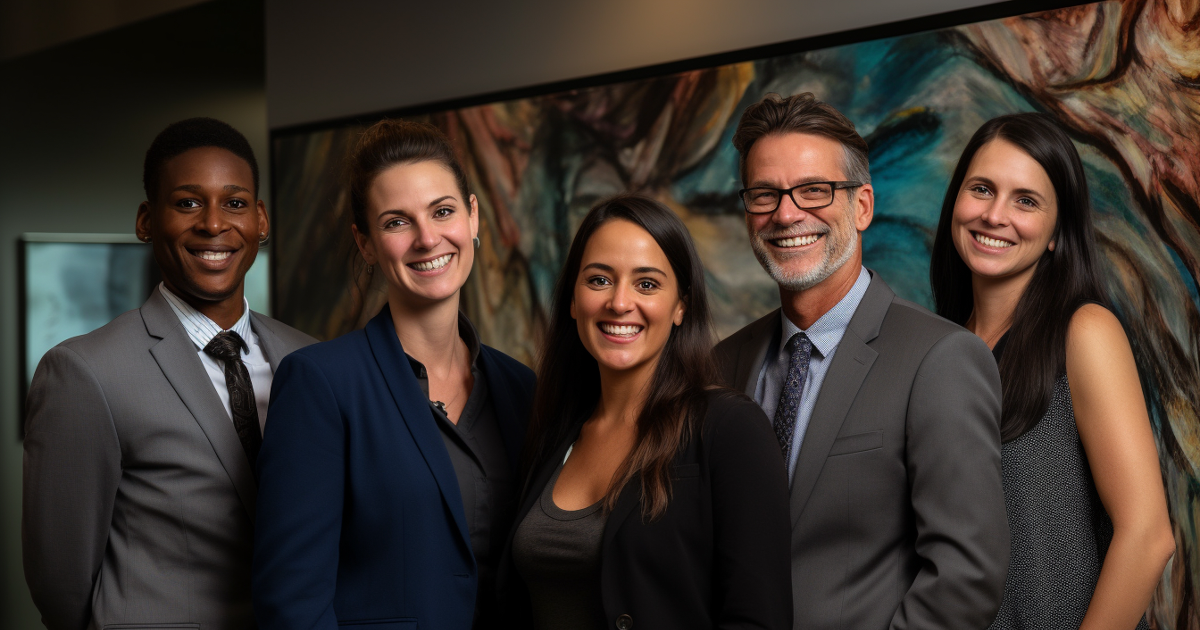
<point>189,134</point>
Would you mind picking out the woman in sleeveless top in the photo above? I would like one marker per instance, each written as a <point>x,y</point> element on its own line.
<point>1013,261</point>
<point>655,500</point>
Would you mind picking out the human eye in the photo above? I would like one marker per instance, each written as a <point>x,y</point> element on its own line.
<point>188,204</point>
<point>598,281</point>
<point>1029,204</point>
<point>979,189</point>
<point>238,203</point>
<point>443,212</point>
<point>646,285</point>
<point>394,223</point>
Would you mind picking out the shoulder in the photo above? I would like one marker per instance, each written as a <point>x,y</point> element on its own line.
<point>117,333</point>
<point>345,351</point>
<point>748,334</point>
<point>912,329</point>
<point>1093,326</point>
<point>731,415</point>
<point>289,336</point>
<point>506,363</point>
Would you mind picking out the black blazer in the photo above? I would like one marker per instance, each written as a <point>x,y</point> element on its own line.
<point>717,558</point>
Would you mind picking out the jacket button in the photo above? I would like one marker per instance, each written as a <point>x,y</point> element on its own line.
<point>624,622</point>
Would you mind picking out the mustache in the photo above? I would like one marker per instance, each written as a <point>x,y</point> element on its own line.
<point>792,231</point>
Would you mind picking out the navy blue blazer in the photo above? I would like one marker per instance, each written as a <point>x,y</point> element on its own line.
<point>359,517</point>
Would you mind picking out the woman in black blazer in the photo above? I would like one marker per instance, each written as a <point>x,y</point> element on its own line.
<point>654,499</point>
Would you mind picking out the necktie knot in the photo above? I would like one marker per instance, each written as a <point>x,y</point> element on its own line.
<point>226,345</point>
<point>799,341</point>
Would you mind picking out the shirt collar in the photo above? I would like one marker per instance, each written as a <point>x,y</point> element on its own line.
<point>826,333</point>
<point>200,329</point>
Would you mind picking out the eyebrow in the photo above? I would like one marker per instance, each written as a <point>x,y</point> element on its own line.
<point>439,200</point>
<point>604,267</point>
<point>197,188</point>
<point>807,180</point>
<point>1019,191</point>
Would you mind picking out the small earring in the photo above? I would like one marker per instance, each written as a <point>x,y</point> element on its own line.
<point>476,241</point>
<point>144,239</point>
<point>370,269</point>
<point>262,238</point>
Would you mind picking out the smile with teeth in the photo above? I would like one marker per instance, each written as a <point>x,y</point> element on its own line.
<point>205,254</point>
<point>796,241</point>
<point>625,330</point>
<point>991,242</point>
<point>432,265</point>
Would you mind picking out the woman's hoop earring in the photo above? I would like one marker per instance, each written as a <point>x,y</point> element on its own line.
<point>476,241</point>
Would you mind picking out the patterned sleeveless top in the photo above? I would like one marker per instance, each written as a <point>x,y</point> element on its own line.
<point>1058,528</point>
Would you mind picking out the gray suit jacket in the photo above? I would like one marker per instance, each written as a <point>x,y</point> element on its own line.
<point>897,506</point>
<point>138,504</point>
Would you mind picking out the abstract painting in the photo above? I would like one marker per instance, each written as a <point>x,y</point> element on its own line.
<point>1123,77</point>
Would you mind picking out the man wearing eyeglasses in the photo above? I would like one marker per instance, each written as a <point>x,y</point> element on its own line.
<point>887,415</point>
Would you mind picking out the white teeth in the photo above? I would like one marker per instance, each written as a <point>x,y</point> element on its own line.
<point>620,331</point>
<point>436,263</point>
<point>992,242</point>
<point>207,255</point>
<point>798,241</point>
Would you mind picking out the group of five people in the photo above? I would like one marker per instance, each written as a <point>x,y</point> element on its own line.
<point>850,460</point>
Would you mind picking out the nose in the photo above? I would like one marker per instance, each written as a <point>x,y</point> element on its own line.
<point>621,300</point>
<point>788,212</point>
<point>995,214</point>
<point>427,235</point>
<point>213,220</point>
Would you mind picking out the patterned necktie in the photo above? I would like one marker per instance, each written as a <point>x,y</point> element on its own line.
<point>228,346</point>
<point>800,349</point>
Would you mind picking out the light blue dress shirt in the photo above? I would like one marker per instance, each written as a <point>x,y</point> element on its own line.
<point>200,329</point>
<point>825,334</point>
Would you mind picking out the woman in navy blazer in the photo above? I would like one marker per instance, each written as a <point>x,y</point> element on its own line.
<point>389,465</point>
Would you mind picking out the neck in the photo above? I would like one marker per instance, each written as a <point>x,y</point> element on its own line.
<point>428,332</point>
<point>805,307</point>
<point>224,312</point>
<point>623,393</point>
<point>995,302</point>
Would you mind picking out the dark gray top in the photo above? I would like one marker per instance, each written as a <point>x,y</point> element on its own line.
<point>485,476</point>
<point>1058,528</point>
<point>557,552</point>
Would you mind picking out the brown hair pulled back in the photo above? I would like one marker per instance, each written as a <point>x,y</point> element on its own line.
<point>388,143</point>
<point>801,113</point>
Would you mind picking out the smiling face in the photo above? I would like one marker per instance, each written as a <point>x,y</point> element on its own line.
<point>205,225</point>
<point>801,248</point>
<point>626,298</point>
<point>420,234</point>
<point>1005,214</point>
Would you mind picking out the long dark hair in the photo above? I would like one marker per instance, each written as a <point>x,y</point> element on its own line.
<point>569,378</point>
<point>1035,353</point>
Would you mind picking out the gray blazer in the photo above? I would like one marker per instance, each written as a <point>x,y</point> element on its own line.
<point>897,506</point>
<point>138,503</point>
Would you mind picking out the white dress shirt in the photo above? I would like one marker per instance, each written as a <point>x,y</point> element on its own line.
<point>200,329</point>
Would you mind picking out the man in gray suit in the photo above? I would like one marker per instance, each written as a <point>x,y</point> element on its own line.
<point>139,487</point>
<point>888,416</point>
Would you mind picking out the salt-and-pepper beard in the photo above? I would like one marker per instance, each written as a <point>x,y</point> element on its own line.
<point>832,259</point>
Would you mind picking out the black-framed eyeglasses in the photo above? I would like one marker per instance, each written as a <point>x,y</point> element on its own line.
<point>806,196</point>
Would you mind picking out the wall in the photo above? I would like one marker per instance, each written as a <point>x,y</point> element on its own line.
<point>75,122</point>
<point>328,60</point>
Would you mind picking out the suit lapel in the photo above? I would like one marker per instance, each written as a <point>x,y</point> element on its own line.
<point>754,352</point>
<point>847,371</point>
<point>414,409</point>
<point>272,347</point>
<point>177,358</point>
<point>509,419</point>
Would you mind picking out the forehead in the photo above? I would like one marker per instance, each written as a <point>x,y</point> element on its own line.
<point>411,185</point>
<point>622,245</point>
<point>786,158</point>
<point>1008,165</point>
<point>206,167</point>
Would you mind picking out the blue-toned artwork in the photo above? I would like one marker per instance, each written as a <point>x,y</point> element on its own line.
<point>1122,77</point>
<point>76,283</point>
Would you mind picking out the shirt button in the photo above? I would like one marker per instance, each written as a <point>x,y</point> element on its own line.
<point>624,622</point>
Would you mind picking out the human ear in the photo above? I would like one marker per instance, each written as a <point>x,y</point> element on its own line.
<point>365,246</point>
<point>141,225</point>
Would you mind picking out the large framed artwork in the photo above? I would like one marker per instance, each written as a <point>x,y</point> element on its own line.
<point>72,284</point>
<point>1122,76</point>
